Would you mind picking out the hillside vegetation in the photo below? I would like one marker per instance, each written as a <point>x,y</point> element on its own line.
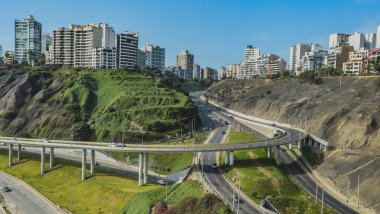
<point>91,105</point>
<point>345,112</point>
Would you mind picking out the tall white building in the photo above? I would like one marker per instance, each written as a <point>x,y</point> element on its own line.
<point>27,40</point>
<point>297,51</point>
<point>127,46</point>
<point>251,53</point>
<point>154,57</point>
<point>233,70</point>
<point>356,40</point>
<point>338,40</point>
<point>313,60</point>
<point>104,58</point>
<point>369,41</point>
<point>140,59</point>
<point>378,37</point>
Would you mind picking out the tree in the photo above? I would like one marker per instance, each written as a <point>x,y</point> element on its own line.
<point>309,77</point>
<point>328,72</point>
<point>31,56</point>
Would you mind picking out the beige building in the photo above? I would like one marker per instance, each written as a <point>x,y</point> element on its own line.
<point>62,48</point>
<point>185,61</point>
<point>356,64</point>
<point>336,57</point>
<point>9,57</point>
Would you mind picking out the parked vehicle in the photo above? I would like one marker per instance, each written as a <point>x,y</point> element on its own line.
<point>214,166</point>
<point>45,140</point>
<point>223,132</point>
<point>112,144</point>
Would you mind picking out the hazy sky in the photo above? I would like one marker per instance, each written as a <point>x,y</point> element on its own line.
<point>215,31</point>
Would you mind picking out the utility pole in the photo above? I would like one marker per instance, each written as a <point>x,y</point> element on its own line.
<point>358,189</point>
<point>238,205</point>
<point>348,188</point>
<point>166,192</point>
<point>233,200</point>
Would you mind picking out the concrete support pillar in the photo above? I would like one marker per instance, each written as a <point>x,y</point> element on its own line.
<point>42,160</point>
<point>299,144</point>
<point>141,159</point>
<point>315,143</point>
<point>145,168</point>
<point>290,146</point>
<point>84,153</point>
<point>310,141</point>
<point>51,157</point>
<point>227,158</point>
<point>231,158</point>
<point>10,157</point>
<point>321,146</point>
<point>92,161</point>
<point>269,152</point>
<point>18,152</point>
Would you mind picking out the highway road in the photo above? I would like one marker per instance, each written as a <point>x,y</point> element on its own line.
<point>23,200</point>
<point>293,167</point>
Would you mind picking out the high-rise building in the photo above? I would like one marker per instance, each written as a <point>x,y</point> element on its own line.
<point>369,41</point>
<point>296,53</point>
<point>86,38</point>
<point>154,57</point>
<point>185,61</point>
<point>27,40</point>
<point>45,43</point>
<point>197,71</point>
<point>336,57</point>
<point>127,45</point>
<point>338,40</point>
<point>251,53</point>
<point>209,73</point>
<point>356,41</point>
<point>223,72</point>
<point>104,58</point>
<point>62,47</point>
<point>1,54</point>
<point>141,59</point>
<point>378,37</point>
<point>313,60</point>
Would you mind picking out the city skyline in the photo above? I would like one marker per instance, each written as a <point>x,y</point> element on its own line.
<point>156,26</point>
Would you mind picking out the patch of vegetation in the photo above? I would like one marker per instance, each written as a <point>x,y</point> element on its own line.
<point>260,177</point>
<point>208,203</point>
<point>310,156</point>
<point>106,191</point>
<point>195,85</point>
<point>142,202</point>
<point>309,77</point>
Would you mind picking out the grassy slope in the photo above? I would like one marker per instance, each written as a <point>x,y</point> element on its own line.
<point>141,202</point>
<point>106,190</point>
<point>109,101</point>
<point>261,175</point>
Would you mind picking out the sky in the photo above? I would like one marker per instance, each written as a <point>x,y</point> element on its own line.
<point>215,31</point>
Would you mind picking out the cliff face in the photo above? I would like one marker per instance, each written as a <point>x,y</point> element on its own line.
<point>91,105</point>
<point>346,114</point>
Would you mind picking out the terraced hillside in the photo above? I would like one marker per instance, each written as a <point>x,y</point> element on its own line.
<point>91,105</point>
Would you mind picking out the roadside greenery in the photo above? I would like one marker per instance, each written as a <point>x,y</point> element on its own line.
<point>105,192</point>
<point>260,177</point>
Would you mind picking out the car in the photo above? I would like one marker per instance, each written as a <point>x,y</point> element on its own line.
<point>161,181</point>
<point>214,166</point>
<point>97,164</point>
<point>282,149</point>
<point>236,199</point>
<point>223,132</point>
<point>112,144</point>
<point>120,145</point>
<point>6,189</point>
<point>226,122</point>
<point>45,140</point>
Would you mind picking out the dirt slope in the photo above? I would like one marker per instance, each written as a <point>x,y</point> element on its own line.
<point>345,115</point>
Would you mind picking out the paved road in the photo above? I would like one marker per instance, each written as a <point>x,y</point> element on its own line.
<point>297,172</point>
<point>22,200</point>
<point>214,176</point>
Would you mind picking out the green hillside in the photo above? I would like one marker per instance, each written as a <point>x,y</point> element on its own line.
<point>96,105</point>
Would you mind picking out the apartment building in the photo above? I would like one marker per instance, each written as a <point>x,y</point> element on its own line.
<point>185,60</point>
<point>127,46</point>
<point>373,57</point>
<point>154,57</point>
<point>378,37</point>
<point>336,57</point>
<point>357,63</point>
<point>209,73</point>
<point>9,57</point>
<point>314,59</point>
<point>62,48</point>
<point>104,58</point>
<point>338,40</point>
<point>297,51</point>
<point>140,59</point>
<point>197,71</point>
<point>233,70</point>
<point>27,40</point>
<point>45,43</point>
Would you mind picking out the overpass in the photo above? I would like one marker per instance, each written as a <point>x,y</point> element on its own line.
<point>288,135</point>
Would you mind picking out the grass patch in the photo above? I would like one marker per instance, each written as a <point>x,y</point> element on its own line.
<point>311,157</point>
<point>260,177</point>
<point>106,191</point>
<point>141,202</point>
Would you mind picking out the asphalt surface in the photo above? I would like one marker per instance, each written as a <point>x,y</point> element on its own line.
<point>217,180</point>
<point>22,200</point>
